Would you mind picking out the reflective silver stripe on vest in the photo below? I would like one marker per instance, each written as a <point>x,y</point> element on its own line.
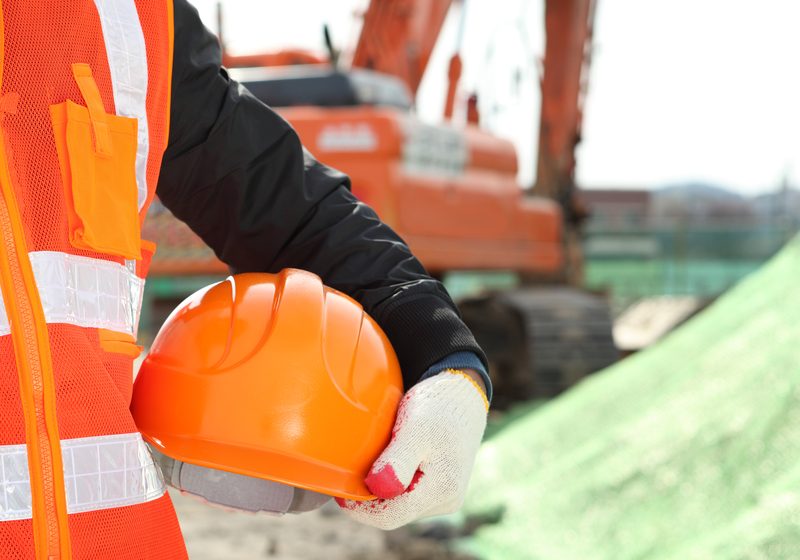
<point>99,473</point>
<point>127,60</point>
<point>84,292</point>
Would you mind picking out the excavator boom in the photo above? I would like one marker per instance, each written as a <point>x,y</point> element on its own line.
<point>568,47</point>
<point>398,37</point>
<point>567,56</point>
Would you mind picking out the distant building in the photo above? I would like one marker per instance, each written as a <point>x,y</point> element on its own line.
<point>691,220</point>
<point>694,239</point>
<point>618,224</point>
<point>612,209</point>
<point>701,205</point>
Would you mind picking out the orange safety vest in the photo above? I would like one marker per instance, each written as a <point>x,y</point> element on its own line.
<point>84,111</point>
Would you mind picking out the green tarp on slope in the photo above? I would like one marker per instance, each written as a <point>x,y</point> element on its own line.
<point>690,450</point>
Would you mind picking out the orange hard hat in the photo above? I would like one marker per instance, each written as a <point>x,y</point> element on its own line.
<point>271,376</point>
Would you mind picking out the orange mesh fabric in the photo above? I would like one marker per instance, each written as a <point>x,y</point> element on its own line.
<point>12,426</point>
<point>147,531</point>
<point>89,400</point>
<point>42,39</point>
<point>120,370</point>
<point>16,540</point>
<point>46,37</point>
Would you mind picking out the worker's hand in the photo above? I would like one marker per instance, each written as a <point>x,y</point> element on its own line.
<point>426,467</point>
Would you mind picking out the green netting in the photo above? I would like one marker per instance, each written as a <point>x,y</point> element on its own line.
<point>690,450</point>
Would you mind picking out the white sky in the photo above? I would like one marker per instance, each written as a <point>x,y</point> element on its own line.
<point>680,89</point>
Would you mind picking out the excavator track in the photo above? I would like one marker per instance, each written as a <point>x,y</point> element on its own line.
<point>541,341</point>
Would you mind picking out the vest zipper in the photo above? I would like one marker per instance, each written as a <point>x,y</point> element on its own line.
<point>34,365</point>
<point>31,349</point>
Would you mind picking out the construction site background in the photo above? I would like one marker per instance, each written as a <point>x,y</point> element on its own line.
<point>686,449</point>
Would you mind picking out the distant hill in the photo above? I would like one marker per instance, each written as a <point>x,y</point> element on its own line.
<point>785,202</point>
<point>696,191</point>
<point>700,202</point>
<point>692,204</point>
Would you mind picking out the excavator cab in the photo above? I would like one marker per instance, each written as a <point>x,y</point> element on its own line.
<point>323,86</point>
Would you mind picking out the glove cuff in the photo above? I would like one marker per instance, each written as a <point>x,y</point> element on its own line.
<point>464,374</point>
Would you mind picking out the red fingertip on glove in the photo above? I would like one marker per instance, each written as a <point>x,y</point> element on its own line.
<point>384,483</point>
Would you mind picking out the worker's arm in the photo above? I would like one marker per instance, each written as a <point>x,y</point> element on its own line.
<point>236,173</point>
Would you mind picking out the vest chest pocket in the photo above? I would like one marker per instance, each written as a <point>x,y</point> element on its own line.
<point>97,155</point>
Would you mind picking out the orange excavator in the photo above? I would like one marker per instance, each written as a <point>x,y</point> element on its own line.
<point>451,191</point>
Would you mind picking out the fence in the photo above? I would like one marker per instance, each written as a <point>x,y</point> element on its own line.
<point>702,261</point>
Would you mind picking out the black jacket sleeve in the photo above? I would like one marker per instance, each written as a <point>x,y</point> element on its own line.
<point>237,174</point>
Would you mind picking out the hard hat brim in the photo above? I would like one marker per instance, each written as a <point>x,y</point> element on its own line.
<point>273,466</point>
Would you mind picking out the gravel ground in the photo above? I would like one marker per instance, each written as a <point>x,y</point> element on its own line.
<point>216,534</point>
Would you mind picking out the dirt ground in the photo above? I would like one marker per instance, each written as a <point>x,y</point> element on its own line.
<point>215,534</point>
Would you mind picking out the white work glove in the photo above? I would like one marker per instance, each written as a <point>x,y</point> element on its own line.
<point>426,467</point>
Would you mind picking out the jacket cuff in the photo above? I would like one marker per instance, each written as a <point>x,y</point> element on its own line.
<point>461,360</point>
<point>424,329</point>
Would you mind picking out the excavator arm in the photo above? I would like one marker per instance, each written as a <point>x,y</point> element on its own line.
<point>568,26</point>
<point>398,37</point>
<point>567,56</point>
